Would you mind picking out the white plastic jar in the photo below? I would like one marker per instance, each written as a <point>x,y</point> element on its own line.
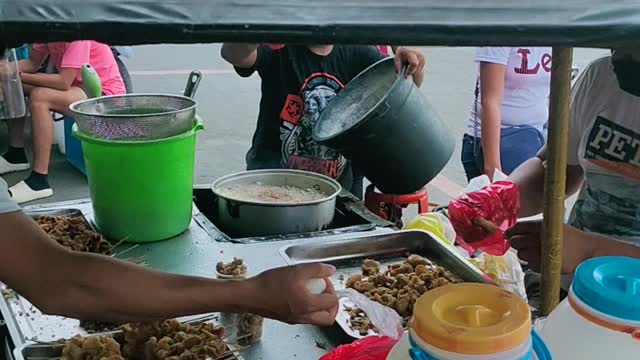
<point>473,322</point>
<point>600,319</point>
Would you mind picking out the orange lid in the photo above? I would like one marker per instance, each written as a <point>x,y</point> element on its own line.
<point>471,318</point>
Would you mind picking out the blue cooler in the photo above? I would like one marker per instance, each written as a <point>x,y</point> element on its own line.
<point>73,147</point>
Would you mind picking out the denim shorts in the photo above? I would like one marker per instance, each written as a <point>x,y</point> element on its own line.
<point>517,145</point>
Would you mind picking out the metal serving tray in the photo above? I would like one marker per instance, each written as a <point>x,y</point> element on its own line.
<point>31,350</point>
<point>347,256</point>
<point>30,322</point>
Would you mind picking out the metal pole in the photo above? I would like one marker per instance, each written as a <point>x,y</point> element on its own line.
<point>555,177</point>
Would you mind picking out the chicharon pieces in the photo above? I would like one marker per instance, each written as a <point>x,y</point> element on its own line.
<point>399,287</point>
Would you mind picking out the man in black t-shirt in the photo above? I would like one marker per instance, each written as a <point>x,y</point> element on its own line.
<point>297,84</point>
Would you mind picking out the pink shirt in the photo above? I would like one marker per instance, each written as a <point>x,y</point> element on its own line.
<point>72,55</point>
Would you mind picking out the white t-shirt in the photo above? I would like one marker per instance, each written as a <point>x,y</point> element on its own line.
<point>604,140</point>
<point>526,86</point>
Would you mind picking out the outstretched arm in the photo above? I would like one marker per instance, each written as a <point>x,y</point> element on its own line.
<point>96,287</point>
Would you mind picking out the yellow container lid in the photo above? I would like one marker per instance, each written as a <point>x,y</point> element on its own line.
<point>474,319</point>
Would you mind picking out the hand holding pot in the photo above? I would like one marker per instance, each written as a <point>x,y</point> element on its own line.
<point>283,294</point>
<point>413,59</point>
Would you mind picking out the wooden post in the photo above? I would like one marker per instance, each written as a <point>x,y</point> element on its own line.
<point>555,178</point>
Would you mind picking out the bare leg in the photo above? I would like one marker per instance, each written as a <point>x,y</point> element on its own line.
<point>43,101</point>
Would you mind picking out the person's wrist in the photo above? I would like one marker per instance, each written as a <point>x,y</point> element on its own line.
<point>242,296</point>
<point>587,241</point>
<point>251,295</point>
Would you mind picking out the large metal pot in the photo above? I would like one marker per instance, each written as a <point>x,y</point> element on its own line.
<point>240,218</point>
<point>382,122</point>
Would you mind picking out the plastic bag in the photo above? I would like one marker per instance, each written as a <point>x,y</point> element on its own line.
<point>498,203</point>
<point>387,320</point>
<point>435,223</point>
<point>370,348</point>
<point>505,270</point>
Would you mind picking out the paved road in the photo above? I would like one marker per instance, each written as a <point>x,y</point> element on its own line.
<point>229,105</point>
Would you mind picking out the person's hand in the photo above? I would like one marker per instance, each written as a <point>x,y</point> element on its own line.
<point>490,167</point>
<point>283,295</point>
<point>413,58</point>
<point>526,237</point>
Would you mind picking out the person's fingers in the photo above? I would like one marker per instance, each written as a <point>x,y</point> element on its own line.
<point>523,242</point>
<point>412,61</point>
<point>329,289</point>
<point>523,227</point>
<point>315,271</point>
<point>320,318</point>
<point>398,62</point>
<point>320,302</point>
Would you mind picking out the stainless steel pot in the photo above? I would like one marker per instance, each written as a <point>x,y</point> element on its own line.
<point>241,218</point>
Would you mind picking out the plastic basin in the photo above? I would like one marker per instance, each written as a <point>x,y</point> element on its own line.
<point>141,191</point>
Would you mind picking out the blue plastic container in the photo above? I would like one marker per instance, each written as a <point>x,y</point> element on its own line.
<point>73,147</point>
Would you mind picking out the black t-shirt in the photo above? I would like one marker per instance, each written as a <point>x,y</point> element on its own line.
<point>297,85</point>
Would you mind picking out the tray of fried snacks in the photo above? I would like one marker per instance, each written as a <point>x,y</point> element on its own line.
<point>392,269</point>
<point>160,340</point>
<point>71,229</point>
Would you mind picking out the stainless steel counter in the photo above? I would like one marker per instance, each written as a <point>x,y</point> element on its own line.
<point>195,252</point>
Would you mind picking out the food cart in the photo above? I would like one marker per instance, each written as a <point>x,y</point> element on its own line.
<point>435,22</point>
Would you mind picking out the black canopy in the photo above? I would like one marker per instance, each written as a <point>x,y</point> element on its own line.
<point>586,23</point>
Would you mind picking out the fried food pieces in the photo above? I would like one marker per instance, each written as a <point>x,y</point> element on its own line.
<point>172,340</point>
<point>74,234</point>
<point>400,286</point>
<point>91,348</point>
<point>359,321</point>
<point>236,268</point>
<point>160,340</point>
<point>249,328</point>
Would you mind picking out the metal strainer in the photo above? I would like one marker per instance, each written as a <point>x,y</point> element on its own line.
<point>135,116</point>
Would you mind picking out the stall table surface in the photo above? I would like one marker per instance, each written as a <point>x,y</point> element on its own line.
<point>195,252</point>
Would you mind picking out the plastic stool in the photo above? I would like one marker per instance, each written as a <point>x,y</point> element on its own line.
<point>389,206</point>
<point>73,147</point>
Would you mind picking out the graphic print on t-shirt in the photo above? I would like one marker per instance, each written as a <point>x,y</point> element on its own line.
<point>609,202</point>
<point>299,115</point>
<point>614,147</point>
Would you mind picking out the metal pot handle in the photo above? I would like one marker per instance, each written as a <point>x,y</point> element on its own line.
<point>404,71</point>
<point>233,209</point>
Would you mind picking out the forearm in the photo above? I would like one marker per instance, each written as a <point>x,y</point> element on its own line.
<point>490,134</point>
<point>52,81</point>
<point>605,246</point>
<point>90,287</point>
<point>529,177</point>
<point>240,55</point>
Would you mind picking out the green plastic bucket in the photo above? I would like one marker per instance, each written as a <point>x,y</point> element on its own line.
<point>141,191</point>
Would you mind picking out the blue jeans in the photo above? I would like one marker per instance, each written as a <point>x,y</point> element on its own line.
<point>517,145</point>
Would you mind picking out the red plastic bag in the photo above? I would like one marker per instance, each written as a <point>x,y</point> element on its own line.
<point>369,348</point>
<point>498,203</point>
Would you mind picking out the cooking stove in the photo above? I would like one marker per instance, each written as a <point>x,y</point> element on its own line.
<point>350,216</point>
